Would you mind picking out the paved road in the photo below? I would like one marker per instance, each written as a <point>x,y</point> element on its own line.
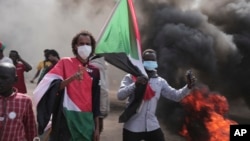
<point>113,129</point>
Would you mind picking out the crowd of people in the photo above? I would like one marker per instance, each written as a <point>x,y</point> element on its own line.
<point>71,96</point>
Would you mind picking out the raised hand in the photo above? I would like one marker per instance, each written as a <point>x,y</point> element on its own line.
<point>79,74</point>
<point>190,79</point>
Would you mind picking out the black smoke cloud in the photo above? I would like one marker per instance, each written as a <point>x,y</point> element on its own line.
<point>212,39</point>
<point>218,53</point>
<point>233,18</point>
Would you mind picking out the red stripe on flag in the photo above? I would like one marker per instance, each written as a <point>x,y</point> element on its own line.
<point>135,23</point>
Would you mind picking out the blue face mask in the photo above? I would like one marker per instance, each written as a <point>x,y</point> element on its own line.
<point>150,65</point>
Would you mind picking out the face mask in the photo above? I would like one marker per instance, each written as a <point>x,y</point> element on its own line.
<point>84,51</point>
<point>150,65</point>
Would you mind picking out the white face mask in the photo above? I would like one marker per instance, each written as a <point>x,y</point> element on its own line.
<point>84,51</point>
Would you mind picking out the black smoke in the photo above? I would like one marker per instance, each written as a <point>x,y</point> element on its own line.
<point>212,39</point>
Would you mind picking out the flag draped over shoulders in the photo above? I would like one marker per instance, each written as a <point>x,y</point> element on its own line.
<point>77,98</point>
<point>120,41</point>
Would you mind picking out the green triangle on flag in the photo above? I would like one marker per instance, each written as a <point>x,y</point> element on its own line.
<point>120,42</point>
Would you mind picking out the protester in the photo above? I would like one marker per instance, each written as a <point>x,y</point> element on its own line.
<point>70,92</point>
<point>53,57</point>
<point>41,66</point>
<point>99,62</point>
<point>143,124</point>
<point>21,67</point>
<point>17,120</point>
<point>2,57</point>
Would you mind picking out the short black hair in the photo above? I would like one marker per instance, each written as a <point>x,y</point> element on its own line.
<point>53,52</point>
<point>46,50</point>
<point>14,51</point>
<point>148,51</point>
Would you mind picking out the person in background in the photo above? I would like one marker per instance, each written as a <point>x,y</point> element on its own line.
<point>41,66</point>
<point>53,57</point>
<point>70,93</point>
<point>143,124</point>
<point>21,67</point>
<point>17,118</point>
<point>99,62</point>
<point>2,57</point>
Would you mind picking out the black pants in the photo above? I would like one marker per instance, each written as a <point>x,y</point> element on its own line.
<point>156,135</point>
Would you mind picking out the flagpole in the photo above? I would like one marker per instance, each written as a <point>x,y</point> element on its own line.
<point>107,21</point>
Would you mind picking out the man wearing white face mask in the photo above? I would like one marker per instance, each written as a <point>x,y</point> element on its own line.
<point>73,86</point>
<point>143,125</point>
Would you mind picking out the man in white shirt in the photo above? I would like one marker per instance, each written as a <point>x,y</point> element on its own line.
<point>100,63</point>
<point>143,123</point>
<point>2,57</point>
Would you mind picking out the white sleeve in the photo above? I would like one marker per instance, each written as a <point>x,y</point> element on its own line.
<point>127,88</point>
<point>173,94</point>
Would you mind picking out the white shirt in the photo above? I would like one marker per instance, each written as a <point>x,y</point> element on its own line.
<point>145,120</point>
<point>6,59</point>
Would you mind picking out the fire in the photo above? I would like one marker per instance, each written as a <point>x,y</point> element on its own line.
<point>206,116</point>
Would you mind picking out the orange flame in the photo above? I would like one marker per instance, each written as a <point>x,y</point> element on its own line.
<point>208,110</point>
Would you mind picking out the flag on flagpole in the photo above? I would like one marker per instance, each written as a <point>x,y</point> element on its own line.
<point>120,41</point>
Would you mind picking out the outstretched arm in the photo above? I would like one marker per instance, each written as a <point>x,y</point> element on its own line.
<point>178,95</point>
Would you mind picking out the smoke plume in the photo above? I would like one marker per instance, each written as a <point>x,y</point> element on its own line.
<point>209,37</point>
<point>32,26</point>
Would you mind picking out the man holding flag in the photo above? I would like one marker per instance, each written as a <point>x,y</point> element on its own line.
<point>119,41</point>
<point>142,123</point>
<point>120,44</point>
<point>70,93</point>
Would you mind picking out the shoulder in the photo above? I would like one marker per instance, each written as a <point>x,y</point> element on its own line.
<point>128,76</point>
<point>7,59</point>
<point>40,63</point>
<point>159,78</point>
<point>47,63</point>
<point>91,66</point>
<point>19,64</point>
<point>93,70</point>
<point>23,97</point>
<point>68,59</point>
<point>99,63</point>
